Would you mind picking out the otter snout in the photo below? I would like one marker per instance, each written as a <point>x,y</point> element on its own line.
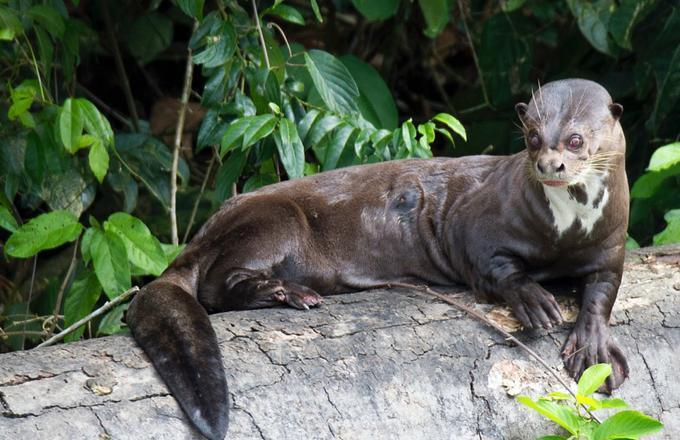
<point>550,166</point>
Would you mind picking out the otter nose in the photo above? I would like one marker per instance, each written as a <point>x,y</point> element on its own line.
<point>550,165</point>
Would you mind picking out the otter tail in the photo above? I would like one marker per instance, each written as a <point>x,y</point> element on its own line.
<point>175,332</point>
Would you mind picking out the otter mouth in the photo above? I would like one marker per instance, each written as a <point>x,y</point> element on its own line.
<point>555,183</point>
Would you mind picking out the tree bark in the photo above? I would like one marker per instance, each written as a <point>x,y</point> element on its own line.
<point>382,364</point>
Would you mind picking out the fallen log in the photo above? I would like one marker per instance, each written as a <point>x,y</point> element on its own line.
<point>382,364</point>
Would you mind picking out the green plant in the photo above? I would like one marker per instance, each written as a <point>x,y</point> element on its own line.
<point>574,413</point>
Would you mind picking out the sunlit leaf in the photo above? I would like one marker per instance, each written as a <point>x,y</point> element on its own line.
<point>45,231</point>
<point>333,81</point>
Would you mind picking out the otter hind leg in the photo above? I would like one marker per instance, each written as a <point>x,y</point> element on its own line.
<point>253,289</point>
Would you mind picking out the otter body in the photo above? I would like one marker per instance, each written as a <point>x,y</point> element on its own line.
<point>498,224</point>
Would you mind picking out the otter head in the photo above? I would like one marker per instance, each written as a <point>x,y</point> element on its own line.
<point>572,131</point>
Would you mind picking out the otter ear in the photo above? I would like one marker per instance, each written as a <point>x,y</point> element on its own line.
<point>521,109</point>
<point>616,109</point>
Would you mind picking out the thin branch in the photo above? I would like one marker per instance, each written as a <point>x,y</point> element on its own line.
<point>259,31</point>
<point>179,130</point>
<point>283,35</point>
<point>103,309</point>
<point>472,312</point>
<point>474,53</point>
<point>198,199</point>
<point>62,288</point>
<point>104,106</point>
<point>120,66</point>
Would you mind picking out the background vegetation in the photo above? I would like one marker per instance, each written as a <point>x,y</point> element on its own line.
<point>93,93</point>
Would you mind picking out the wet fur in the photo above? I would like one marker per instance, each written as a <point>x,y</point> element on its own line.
<point>480,220</point>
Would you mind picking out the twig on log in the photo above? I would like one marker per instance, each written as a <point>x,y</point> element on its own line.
<point>179,130</point>
<point>105,308</point>
<point>501,330</point>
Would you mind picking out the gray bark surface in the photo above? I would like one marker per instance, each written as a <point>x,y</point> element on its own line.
<point>370,365</point>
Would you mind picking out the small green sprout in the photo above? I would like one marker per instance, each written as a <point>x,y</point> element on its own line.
<point>569,413</point>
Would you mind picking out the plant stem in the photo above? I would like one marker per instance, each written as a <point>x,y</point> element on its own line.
<point>474,53</point>
<point>198,199</point>
<point>106,307</point>
<point>104,106</point>
<point>120,67</point>
<point>179,130</point>
<point>30,295</point>
<point>62,288</point>
<point>259,31</point>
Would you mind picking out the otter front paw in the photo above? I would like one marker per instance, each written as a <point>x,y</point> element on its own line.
<point>535,307</point>
<point>591,343</point>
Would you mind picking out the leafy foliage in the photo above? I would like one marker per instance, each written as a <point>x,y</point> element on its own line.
<point>567,411</point>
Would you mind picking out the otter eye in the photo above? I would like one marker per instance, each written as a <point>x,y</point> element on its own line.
<point>534,139</point>
<point>575,142</point>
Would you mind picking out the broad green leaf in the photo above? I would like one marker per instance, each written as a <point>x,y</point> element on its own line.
<point>98,158</point>
<point>306,123</point>
<point>336,146</point>
<point>436,13</point>
<point>589,402</point>
<point>315,8</point>
<point>259,127</point>
<point>665,157</point>
<point>427,131</point>
<point>375,102</point>
<point>333,81</point>
<point>110,262</point>
<point>143,249</point>
<point>48,18</point>
<point>559,395</point>
<point>592,379</point>
<point>217,43</point>
<point>631,243</point>
<point>624,18</point>
<point>552,437</point>
<point>7,220</point>
<point>193,8</point>
<point>95,123</point>
<point>46,231</point>
<point>86,243</point>
<point>362,140</point>
<point>148,35</point>
<point>321,128</point>
<point>80,300</point>
<point>512,5</point>
<point>70,124</point>
<point>229,173</point>
<point>290,148</point>
<point>593,20</point>
<point>22,98</point>
<point>171,251</point>
<point>648,184</point>
<point>408,135</point>
<point>627,425</point>
<point>671,234</point>
<point>211,131</point>
<point>613,403</point>
<point>287,13</point>
<point>10,25</point>
<point>233,133</point>
<point>452,123</point>
<point>555,412</point>
<point>258,181</point>
<point>376,10</point>
<point>112,322</point>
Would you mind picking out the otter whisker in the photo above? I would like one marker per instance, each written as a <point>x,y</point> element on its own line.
<point>538,112</point>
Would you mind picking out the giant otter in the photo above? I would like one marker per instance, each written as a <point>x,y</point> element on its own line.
<point>499,224</point>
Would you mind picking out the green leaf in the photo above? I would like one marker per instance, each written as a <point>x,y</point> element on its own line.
<point>258,127</point>
<point>95,123</point>
<point>631,243</point>
<point>337,145</point>
<point>10,25</point>
<point>7,220</point>
<point>665,157</point>
<point>592,379</point>
<point>234,132</point>
<point>143,249</point>
<point>258,181</point>
<point>80,300</point>
<point>613,403</point>
<point>229,173</point>
<point>452,123</point>
<point>290,148</point>
<point>321,128</point>
<point>86,243</point>
<point>48,18</point>
<point>627,425</point>
<point>333,81</point>
<point>375,101</point>
<point>671,234</point>
<point>22,98</point>
<point>307,122</point>
<point>512,5</point>
<point>171,251</point>
<point>648,184</point>
<point>98,158</point>
<point>315,8</point>
<point>408,135</point>
<point>112,322</point>
<point>148,35</point>
<point>193,8</point>
<point>110,262</point>
<point>553,411</point>
<point>217,42</point>
<point>593,20</point>
<point>70,124</point>
<point>552,437</point>
<point>287,13</point>
<point>46,231</point>
<point>376,10</point>
<point>624,18</point>
<point>436,13</point>
<point>211,131</point>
